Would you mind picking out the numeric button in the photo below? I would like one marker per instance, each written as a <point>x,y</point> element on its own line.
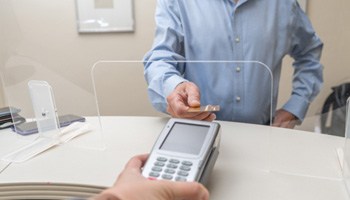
<point>175,161</point>
<point>167,176</point>
<point>185,168</point>
<point>162,159</point>
<point>156,169</point>
<point>154,174</point>
<point>180,178</point>
<point>182,173</point>
<point>187,163</point>
<point>169,171</point>
<point>159,164</point>
<point>173,166</point>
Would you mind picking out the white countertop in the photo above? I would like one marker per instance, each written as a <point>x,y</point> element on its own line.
<point>255,162</point>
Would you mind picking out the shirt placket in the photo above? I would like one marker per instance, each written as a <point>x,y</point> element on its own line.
<point>237,46</point>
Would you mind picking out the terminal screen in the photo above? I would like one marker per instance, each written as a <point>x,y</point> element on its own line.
<point>185,138</point>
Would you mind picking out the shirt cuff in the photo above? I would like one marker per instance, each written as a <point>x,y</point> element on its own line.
<point>298,106</point>
<point>171,83</point>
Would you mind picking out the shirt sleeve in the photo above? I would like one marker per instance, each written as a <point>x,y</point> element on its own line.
<point>306,48</point>
<point>164,63</point>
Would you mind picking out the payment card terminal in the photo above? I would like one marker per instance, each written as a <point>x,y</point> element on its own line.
<point>186,150</point>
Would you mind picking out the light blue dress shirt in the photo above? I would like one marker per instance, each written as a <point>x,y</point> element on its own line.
<point>190,32</point>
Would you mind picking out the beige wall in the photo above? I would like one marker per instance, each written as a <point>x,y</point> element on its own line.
<point>39,39</point>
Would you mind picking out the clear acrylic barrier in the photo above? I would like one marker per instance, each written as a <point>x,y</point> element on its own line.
<point>306,154</point>
<point>113,77</point>
<point>121,90</point>
<point>346,161</point>
<point>47,98</point>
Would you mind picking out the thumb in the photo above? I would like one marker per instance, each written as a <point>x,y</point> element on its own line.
<point>193,98</point>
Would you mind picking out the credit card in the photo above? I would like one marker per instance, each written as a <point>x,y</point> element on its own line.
<point>207,108</point>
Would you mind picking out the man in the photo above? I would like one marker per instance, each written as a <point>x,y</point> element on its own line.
<point>259,33</point>
<point>131,185</point>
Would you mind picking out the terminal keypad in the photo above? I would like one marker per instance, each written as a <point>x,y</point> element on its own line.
<point>171,169</point>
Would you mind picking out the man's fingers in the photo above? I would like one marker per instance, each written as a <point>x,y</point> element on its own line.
<point>176,107</point>
<point>207,116</point>
<point>284,119</point>
<point>210,118</point>
<point>184,96</point>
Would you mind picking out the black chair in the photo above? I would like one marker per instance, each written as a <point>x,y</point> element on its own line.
<point>333,114</point>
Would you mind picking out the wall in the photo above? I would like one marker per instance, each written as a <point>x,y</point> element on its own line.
<point>40,35</point>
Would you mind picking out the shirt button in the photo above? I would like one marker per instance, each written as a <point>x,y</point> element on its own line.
<point>238,99</point>
<point>237,40</point>
<point>238,69</point>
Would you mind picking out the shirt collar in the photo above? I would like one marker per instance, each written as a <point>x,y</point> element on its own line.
<point>240,2</point>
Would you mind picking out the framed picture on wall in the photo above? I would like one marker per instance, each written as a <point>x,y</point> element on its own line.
<point>104,16</point>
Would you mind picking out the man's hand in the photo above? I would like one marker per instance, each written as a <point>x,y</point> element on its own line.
<point>131,185</point>
<point>284,119</point>
<point>184,96</point>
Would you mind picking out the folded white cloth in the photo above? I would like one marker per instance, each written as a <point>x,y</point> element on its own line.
<point>42,144</point>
